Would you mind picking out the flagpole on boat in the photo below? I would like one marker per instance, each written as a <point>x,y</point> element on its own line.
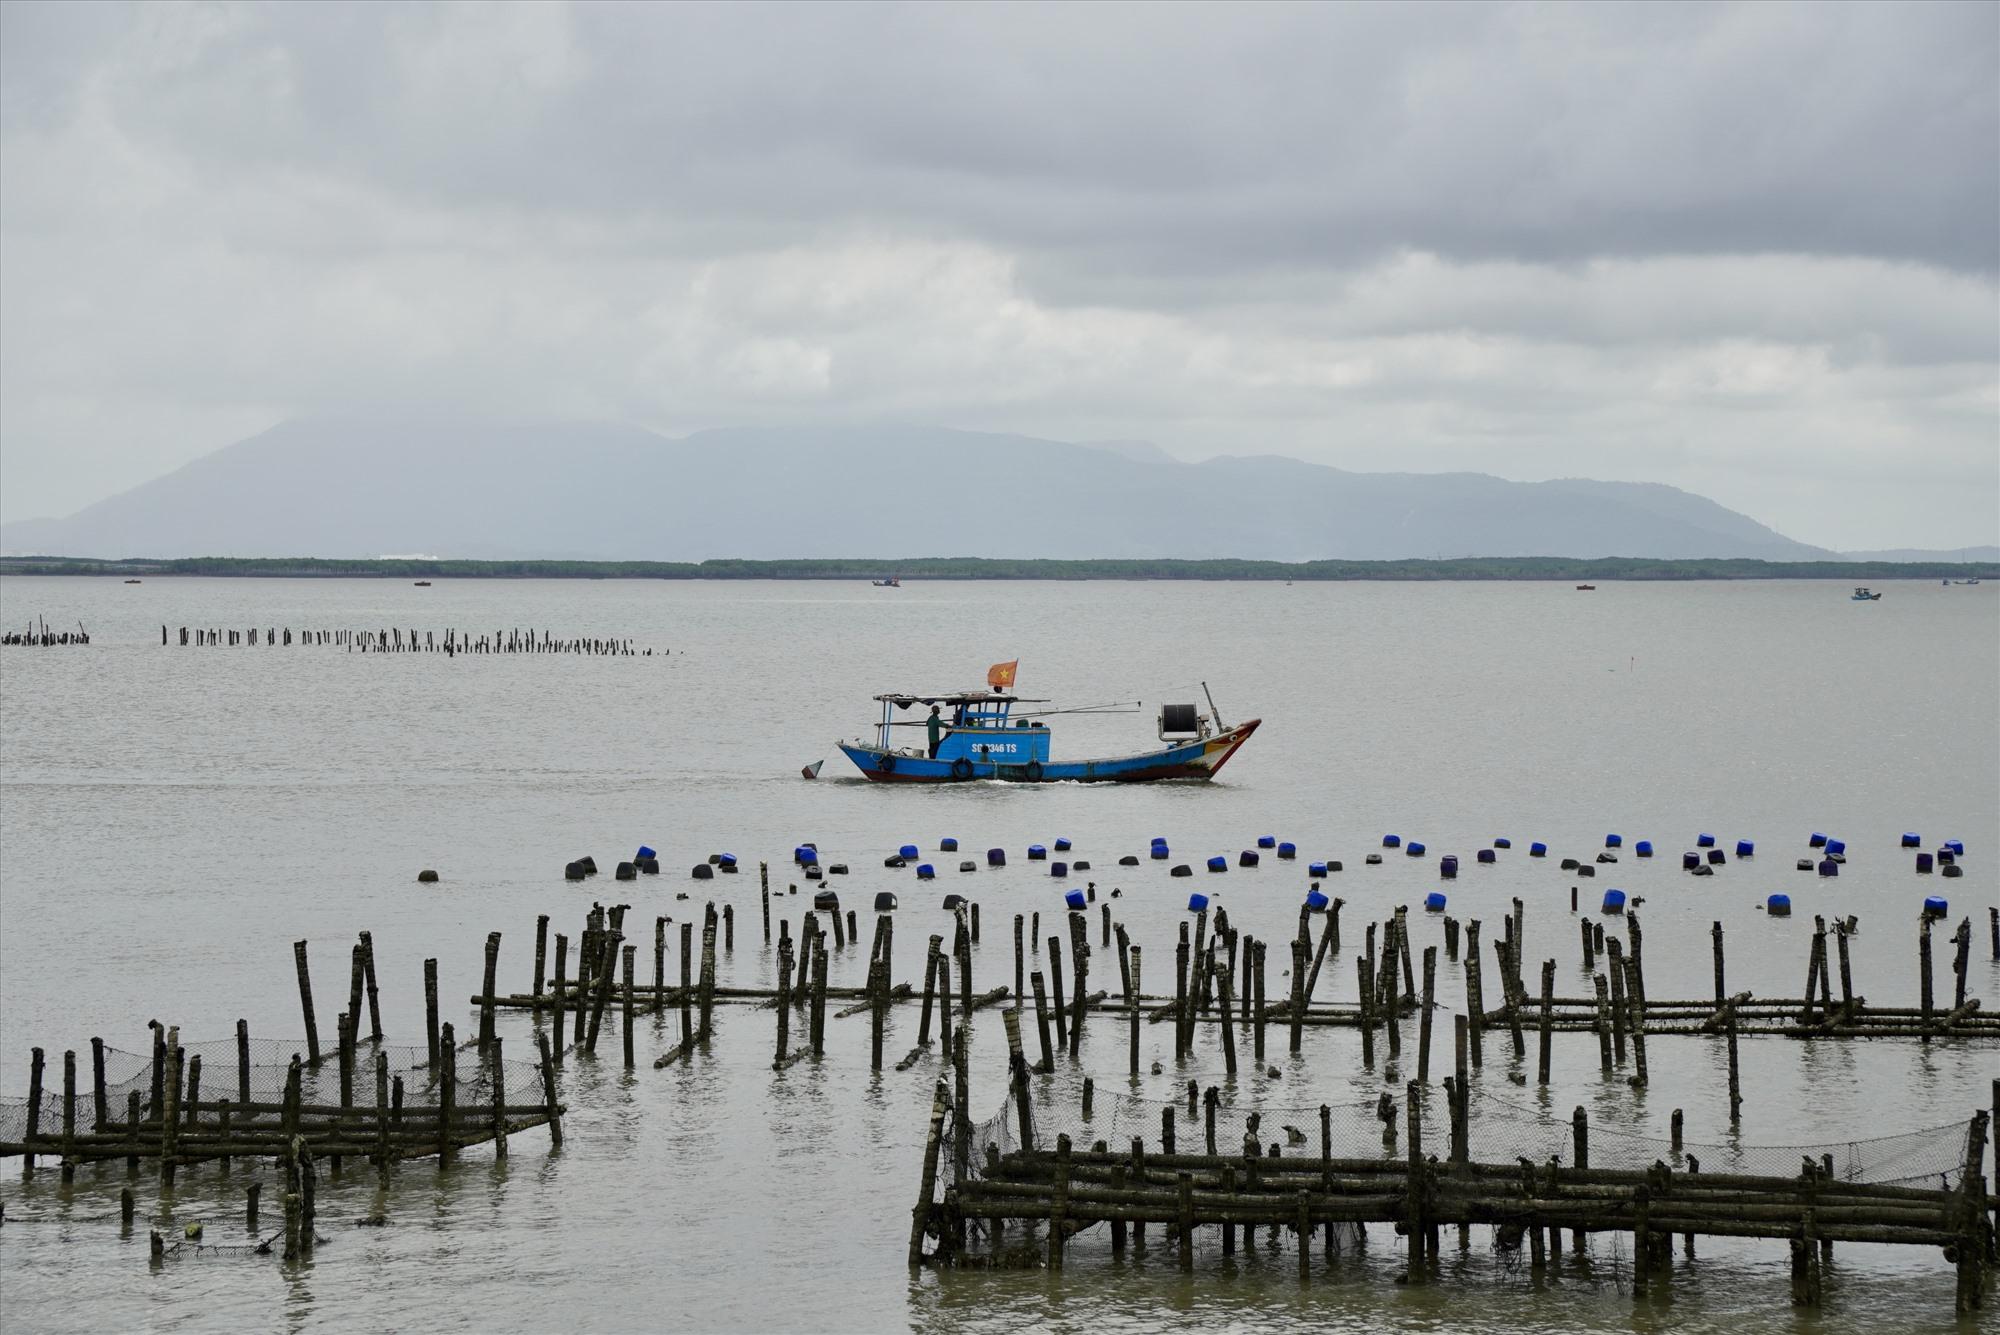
<point>1213,712</point>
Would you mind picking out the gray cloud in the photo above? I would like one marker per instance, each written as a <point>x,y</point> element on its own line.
<point>1751,249</point>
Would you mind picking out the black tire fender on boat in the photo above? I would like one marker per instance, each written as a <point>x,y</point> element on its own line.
<point>961,769</point>
<point>1032,771</point>
<point>885,764</point>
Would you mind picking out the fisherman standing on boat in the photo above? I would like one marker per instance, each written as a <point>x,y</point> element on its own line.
<point>936,727</point>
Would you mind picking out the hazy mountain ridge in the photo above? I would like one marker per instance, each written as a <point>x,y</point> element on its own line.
<point>360,486</point>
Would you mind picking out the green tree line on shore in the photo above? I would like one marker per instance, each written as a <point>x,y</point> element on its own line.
<point>971,568</point>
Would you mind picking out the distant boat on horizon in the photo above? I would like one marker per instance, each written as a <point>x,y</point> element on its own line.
<point>1586,588</point>
<point>423,584</point>
<point>1862,595</point>
<point>890,583</point>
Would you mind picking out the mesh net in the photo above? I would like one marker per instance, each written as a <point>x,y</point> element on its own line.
<point>223,1076</point>
<point>1501,1132</point>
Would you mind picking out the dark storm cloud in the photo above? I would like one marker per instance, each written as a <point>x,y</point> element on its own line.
<point>1174,137</point>
<point>1692,242</point>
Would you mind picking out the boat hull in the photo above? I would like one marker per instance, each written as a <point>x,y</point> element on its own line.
<point>1186,760</point>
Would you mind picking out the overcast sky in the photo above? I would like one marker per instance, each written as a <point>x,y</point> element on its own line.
<point>1750,250</point>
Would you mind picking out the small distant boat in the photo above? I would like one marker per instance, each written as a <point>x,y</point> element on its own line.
<point>980,738</point>
<point>423,584</point>
<point>1586,588</point>
<point>1862,595</point>
<point>1973,580</point>
<point>135,581</point>
<point>890,583</point>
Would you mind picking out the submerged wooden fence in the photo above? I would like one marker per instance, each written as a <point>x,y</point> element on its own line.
<point>450,642</point>
<point>1010,1173</point>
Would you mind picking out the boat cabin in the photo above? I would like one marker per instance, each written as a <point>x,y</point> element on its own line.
<point>978,726</point>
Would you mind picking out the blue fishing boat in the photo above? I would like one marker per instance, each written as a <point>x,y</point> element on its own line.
<point>978,735</point>
<point>1862,595</point>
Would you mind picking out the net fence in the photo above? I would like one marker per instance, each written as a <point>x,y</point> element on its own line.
<point>1500,1132</point>
<point>224,1074</point>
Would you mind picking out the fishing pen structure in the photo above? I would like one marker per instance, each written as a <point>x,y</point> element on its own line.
<point>214,1102</point>
<point>1023,1183</point>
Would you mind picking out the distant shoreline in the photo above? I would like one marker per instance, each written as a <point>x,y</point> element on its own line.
<point>985,568</point>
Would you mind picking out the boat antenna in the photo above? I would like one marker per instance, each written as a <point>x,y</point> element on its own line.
<point>1213,712</point>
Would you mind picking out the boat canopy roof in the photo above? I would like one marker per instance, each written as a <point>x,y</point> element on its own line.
<point>958,698</point>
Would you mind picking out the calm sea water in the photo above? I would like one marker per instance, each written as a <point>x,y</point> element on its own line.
<point>172,819</point>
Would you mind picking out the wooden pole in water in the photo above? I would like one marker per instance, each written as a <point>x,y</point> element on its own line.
<point>306,1001</point>
<point>374,994</point>
<point>1615,952</point>
<point>878,1005</point>
<point>1924,972</point>
<point>499,1085</point>
<point>1056,988</point>
<point>1715,938</point>
<point>631,953</point>
<point>554,1108</point>
<point>1635,994</point>
<point>1414,1210</point>
<point>784,1000</point>
<point>382,1117</point>
<point>1223,988</point>
<point>1364,987</point>
<point>486,993</point>
<point>1424,1023</point>
<point>764,893</point>
<point>687,985</point>
<point>659,964</point>
<point>1548,1011</point>
<point>562,964</point>
<point>920,1217</point>
<point>1735,1089</point>
<point>1132,1001</point>
<point>1475,999</point>
<point>1298,1007</point>
<point>1258,1007</point>
<point>170,1112</point>
<point>100,1109</point>
<point>930,988</point>
<point>944,1002</point>
<point>1042,1020</point>
<point>1392,1016</point>
<point>69,1116</point>
<point>1020,984</point>
<point>541,949</point>
<point>819,1006</point>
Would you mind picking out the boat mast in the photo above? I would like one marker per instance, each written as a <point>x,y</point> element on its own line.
<point>1213,712</point>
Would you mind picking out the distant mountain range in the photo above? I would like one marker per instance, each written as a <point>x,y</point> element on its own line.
<point>353,487</point>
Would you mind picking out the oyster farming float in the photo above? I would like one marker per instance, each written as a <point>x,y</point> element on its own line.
<point>961,736</point>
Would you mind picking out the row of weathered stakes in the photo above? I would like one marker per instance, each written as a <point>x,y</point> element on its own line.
<point>37,634</point>
<point>450,642</point>
<point>297,1108</point>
